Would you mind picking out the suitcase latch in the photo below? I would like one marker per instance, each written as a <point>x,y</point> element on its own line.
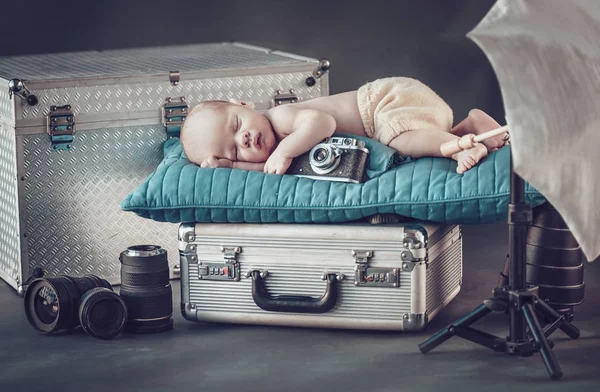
<point>224,270</point>
<point>371,276</point>
<point>60,124</point>
<point>282,98</point>
<point>174,113</point>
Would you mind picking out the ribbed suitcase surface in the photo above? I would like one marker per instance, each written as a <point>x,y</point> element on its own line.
<point>388,277</point>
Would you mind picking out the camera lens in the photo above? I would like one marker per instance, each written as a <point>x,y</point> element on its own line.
<point>102,313</point>
<point>46,305</point>
<point>51,304</point>
<point>146,290</point>
<point>320,154</point>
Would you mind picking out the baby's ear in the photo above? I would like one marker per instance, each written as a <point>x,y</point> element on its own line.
<point>242,103</point>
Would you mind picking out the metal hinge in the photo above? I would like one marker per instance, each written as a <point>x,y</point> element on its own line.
<point>227,270</point>
<point>365,275</point>
<point>415,251</point>
<point>282,98</point>
<point>60,124</point>
<point>17,87</point>
<point>321,70</point>
<point>174,113</point>
<point>174,77</point>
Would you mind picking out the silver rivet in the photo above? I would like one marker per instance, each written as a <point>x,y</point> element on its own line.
<point>405,317</point>
<point>405,265</point>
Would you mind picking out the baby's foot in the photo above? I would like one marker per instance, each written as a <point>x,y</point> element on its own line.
<point>481,122</point>
<point>466,159</point>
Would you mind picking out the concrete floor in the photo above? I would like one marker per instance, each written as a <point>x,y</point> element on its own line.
<point>200,357</point>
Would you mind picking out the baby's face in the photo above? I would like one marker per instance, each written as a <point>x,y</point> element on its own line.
<point>234,132</point>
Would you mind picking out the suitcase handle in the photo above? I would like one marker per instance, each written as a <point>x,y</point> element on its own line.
<point>294,303</point>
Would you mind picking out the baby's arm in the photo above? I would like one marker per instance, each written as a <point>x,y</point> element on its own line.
<point>301,130</point>
<point>215,162</point>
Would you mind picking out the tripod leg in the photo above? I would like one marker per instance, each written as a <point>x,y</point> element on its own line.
<point>565,326</point>
<point>446,333</point>
<point>536,330</point>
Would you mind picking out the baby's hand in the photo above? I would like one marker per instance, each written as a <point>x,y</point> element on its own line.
<point>277,163</point>
<point>215,162</point>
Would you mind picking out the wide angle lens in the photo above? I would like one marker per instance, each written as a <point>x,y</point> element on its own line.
<point>46,305</point>
<point>51,304</point>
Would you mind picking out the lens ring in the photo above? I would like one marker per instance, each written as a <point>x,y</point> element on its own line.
<point>143,250</point>
<point>321,156</point>
<point>102,313</point>
<point>31,309</point>
<point>326,165</point>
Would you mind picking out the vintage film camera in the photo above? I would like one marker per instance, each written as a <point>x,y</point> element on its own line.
<point>342,159</point>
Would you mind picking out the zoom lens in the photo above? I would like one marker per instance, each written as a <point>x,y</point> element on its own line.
<point>146,290</point>
<point>51,304</point>
<point>102,313</point>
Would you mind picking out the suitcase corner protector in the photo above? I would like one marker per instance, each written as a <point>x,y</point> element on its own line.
<point>188,311</point>
<point>187,232</point>
<point>413,322</point>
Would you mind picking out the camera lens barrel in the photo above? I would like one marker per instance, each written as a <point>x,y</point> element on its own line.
<point>146,290</point>
<point>102,313</point>
<point>52,304</point>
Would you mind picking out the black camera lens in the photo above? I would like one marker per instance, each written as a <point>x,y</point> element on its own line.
<point>146,290</point>
<point>102,313</point>
<point>51,304</point>
<point>46,305</point>
<point>321,154</point>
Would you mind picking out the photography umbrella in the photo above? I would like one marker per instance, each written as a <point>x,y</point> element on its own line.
<point>546,56</point>
<point>547,60</point>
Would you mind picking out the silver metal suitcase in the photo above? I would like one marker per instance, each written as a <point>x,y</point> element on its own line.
<point>355,276</point>
<point>79,131</point>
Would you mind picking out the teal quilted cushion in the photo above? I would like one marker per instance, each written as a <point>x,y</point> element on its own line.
<point>424,188</point>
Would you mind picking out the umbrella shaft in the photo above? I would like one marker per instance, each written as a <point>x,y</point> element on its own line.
<point>519,219</point>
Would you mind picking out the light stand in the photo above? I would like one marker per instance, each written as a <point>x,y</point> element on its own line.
<point>520,299</point>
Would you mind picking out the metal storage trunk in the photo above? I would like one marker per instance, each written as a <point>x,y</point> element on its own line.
<point>79,131</point>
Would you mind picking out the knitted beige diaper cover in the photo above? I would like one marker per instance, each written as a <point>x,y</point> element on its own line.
<point>391,106</point>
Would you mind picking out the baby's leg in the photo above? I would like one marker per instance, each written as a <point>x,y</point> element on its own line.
<point>478,122</point>
<point>427,142</point>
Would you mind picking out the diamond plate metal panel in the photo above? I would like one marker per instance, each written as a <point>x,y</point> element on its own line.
<point>141,61</point>
<point>74,223</point>
<point>127,98</point>
<point>7,114</point>
<point>10,260</point>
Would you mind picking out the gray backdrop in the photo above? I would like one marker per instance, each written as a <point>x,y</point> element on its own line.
<point>363,40</point>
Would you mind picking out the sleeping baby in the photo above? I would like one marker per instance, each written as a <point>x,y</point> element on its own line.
<point>400,112</point>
